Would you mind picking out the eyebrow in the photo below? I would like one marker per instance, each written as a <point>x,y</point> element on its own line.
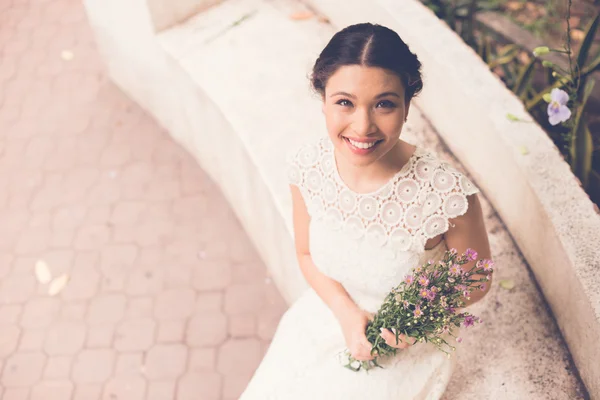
<point>377,97</point>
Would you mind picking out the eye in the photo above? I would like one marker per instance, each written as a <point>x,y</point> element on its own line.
<point>387,104</point>
<point>342,101</point>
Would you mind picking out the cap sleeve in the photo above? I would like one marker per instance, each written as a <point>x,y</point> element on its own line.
<point>445,199</point>
<point>453,187</point>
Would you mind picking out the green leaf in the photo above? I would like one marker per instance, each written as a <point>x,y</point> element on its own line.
<point>524,78</point>
<point>512,117</point>
<point>583,148</point>
<point>510,55</point>
<point>591,67</point>
<point>507,284</point>
<point>588,40</point>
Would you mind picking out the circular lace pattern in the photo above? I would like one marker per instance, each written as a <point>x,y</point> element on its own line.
<point>455,205</point>
<point>347,201</point>
<point>407,190</point>
<point>308,156</point>
<point>443,181</point>
<point>391,213</point>
<point>415,205</point>
<point>367,207</point>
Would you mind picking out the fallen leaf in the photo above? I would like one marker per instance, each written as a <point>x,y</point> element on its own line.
<point>58,284</point>
<point>577,34</point>
<point>507,284</point>
<point>524,150</point>
<point>300,15</point>
<point>323,19</point>
<point>514,5</point>
<point>67,55</point>
<point>42,272</point>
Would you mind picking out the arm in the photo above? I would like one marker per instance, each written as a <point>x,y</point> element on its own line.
<point>469,232</point>
<point>330,291</point>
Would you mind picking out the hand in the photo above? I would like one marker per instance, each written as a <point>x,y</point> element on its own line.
<point>354,324</point>
<point>390,339</point>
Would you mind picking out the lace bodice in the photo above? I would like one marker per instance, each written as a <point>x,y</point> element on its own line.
<point>369,241</point>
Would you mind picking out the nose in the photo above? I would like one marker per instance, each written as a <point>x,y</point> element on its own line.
<point>362,123</point>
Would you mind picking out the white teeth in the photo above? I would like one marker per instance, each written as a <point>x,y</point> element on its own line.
<point>361,145</point>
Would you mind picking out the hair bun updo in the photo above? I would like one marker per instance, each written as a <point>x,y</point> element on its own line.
<point>369,45</point>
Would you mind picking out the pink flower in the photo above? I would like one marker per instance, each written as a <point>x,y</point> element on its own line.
<point>471,254</point>
<point>459,339</point>
<point>409,279</point>
<point>434,289</point>
<point>453,251</point>
<point>423,281</point>
<point>466,293</point>
<point>417,313</point>
<point>424,293</point>
<point>488,265</point>
<point>430,295</point>
<point>483,286</point>
<point>456,270</point>
<point>406,304</point>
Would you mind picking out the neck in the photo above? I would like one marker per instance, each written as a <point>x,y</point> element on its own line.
<point>377,173</point>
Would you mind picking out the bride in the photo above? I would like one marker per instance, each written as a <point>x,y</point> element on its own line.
<point>367,207</point>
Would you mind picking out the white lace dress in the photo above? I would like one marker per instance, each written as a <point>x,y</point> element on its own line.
<point>368,242</point>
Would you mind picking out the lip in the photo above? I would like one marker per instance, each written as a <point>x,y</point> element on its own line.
<point>361,152</point>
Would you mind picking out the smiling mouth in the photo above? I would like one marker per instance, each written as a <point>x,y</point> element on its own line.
<point>362,145</point>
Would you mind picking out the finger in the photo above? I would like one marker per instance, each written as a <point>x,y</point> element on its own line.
<point>390,339</point>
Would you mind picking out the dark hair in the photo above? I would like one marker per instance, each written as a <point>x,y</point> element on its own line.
<point>369,45</point>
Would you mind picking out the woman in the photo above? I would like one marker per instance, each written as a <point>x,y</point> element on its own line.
<point>367,207</point>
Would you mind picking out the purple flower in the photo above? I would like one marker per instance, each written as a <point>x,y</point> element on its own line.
<point>451,310</point>
<point>471,254</point>
<point>423,281</point>
<point>483,286</point>
<point>409,279</point>
<point>466,293</point>
<point>557,108</point>
<point>469,321</point>
<point>437,273</point>
<point>459,339</point>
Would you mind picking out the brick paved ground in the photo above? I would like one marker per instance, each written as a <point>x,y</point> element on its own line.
<point>166,297</point>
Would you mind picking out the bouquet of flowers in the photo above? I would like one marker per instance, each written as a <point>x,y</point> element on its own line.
<point>424,306</point>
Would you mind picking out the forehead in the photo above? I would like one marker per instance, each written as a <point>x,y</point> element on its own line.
<point>360,79</point>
